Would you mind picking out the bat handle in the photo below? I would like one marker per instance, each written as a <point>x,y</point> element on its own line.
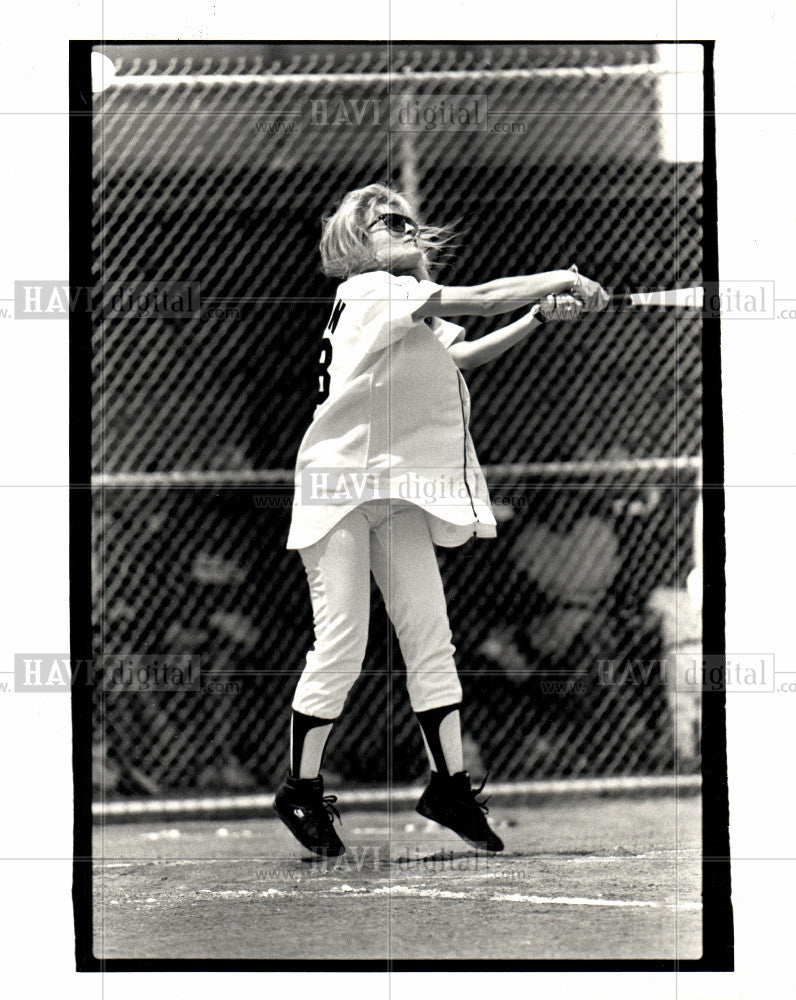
<point>619,301</point>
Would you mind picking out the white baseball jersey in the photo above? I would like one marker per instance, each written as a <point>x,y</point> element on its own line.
<point>392,419</point>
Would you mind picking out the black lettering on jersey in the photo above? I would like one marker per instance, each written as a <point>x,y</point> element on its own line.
<point>325,358</point>
<point>337,312</point>
<point>324,361</point>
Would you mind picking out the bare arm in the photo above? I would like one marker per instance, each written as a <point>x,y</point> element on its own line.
<point>471,354</point>
<point>494,297</point>
<point>561,307</point>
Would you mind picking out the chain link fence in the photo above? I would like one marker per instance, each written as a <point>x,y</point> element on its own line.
<point>212,170</point>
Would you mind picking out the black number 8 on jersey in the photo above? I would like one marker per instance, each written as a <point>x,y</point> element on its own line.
<point>325,358</point>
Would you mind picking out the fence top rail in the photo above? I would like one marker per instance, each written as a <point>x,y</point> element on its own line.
<point>260,477</point>
<point>403,76</point>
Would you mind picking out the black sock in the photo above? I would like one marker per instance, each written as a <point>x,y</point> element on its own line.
<point>308,735</point>
<point>443,739</point>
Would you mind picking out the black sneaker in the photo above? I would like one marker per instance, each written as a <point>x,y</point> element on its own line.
<point>451,801</point>
<point>308,814</point>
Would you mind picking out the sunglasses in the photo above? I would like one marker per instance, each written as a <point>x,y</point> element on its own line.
<point>396,223</point>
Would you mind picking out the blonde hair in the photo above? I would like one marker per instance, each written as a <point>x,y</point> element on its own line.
<point>345,245</point>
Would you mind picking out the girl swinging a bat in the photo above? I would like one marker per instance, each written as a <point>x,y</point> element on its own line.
<point>393,406</point>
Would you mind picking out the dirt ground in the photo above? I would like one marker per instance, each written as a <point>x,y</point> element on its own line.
<point>588,879</point>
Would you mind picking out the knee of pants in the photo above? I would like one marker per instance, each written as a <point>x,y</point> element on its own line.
<point>427,650</point>
<point>341,645</point>
<point>426,646</point>
<point>325,682</point>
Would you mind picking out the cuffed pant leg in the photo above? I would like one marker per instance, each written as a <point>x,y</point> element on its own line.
<point>405,567</point>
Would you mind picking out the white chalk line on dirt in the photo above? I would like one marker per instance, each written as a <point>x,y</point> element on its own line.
<point>423,892</point>
<point>516,897</point>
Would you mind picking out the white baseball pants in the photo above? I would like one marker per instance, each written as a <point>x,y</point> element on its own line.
<point>391,539</point>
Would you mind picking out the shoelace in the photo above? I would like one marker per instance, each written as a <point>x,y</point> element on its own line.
<point>328,802</point>
<point>477,791</point>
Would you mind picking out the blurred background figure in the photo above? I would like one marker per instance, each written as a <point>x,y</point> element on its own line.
<point>680,611</point>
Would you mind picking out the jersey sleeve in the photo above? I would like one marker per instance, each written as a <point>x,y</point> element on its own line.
<point>389,305</point>
<point>447,333</point>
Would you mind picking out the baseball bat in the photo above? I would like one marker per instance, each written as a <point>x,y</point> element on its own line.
<point>671,298</point>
